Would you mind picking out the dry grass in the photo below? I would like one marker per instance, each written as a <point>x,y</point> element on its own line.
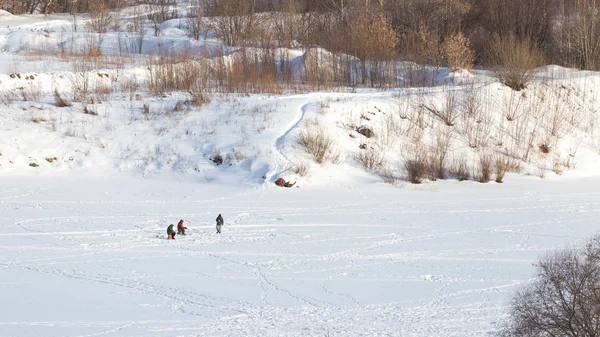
<point>60,102</point>
<point>370,158</point>
<point>302,169</point>
<point>316,142</point>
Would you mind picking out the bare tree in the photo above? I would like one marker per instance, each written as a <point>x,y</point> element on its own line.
<point>196,18</point>
<point>580,33</point>
<point>564,299</point>
<point>161,11</point>
<point>233,20</point>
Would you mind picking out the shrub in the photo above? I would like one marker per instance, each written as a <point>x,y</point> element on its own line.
<point>457,52</point>
<point>485,168</point>
<point>460,169</point>
<point>302,169</point>
<point>316,142</point>
<point>388,176</point>
<point>60,102</point>
<point>415,170</point>
<point>563,299</point>
<point>503,165</point>
<point>513,60</point>
<point>370,159</point>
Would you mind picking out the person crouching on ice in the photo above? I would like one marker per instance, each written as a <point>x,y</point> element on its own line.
<point>180,228</point>
<point>171,232</point>
<point>219,223</point>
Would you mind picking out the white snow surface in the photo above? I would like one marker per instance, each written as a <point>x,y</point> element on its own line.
<point>85,200</point>
<point>88,256</point>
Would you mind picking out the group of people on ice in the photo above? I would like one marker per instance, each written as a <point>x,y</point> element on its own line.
<point>181,228</point>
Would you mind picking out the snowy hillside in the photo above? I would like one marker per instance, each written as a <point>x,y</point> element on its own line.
<point>100,153</point>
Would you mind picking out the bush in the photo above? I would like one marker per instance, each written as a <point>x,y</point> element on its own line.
<point>503,165</point>
<point>513,60</point>
<point>460,170</point>
<point>563,299</point>
<point>316,142</point>
<point>370,159</point>
<point>60,102</point>
<point>415,170</point>
<point>485,169</point>
<point>457,52</point>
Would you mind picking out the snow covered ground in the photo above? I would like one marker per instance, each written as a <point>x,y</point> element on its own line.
<point>87,256</point>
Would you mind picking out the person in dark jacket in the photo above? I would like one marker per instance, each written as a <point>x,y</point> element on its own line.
<point>181,228</point>
<point>171,232</point>
<point>219,223</point>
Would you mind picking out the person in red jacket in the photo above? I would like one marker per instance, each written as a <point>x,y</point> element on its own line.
<point>181,228</point>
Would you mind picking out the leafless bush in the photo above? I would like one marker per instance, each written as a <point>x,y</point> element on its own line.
<point>8,97</point>
<point>415,170</point>
<point>415,163</point>
<point>174,71</point>
<point>388,176</point>
<point>302,169</point>
<point>234,21</point>
<point>502,165</point>
<point>460,169</point>
<point>513,60</point>
<point>512,106</point>
<point>370,158</point>
<point>563,299</point>
<point>31,92</point>
<point>439,152</point>
<point>60,102</point>
<point>447,111</point>
<point>485,168</point>
<point>316,142</point>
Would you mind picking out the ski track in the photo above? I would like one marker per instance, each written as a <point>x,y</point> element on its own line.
<point>280,270</point>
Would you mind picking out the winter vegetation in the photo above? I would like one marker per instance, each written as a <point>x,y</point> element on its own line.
<point>358,98</point>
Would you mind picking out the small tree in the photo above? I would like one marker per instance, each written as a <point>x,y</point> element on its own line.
<point>196,18</point>
<point>513,60</point>
<point>564,299</point>
<point>100,17</point>
<point>457,52</point>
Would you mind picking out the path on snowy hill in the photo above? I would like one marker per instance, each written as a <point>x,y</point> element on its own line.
<point>283,162</point>
<point>87,257</point>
